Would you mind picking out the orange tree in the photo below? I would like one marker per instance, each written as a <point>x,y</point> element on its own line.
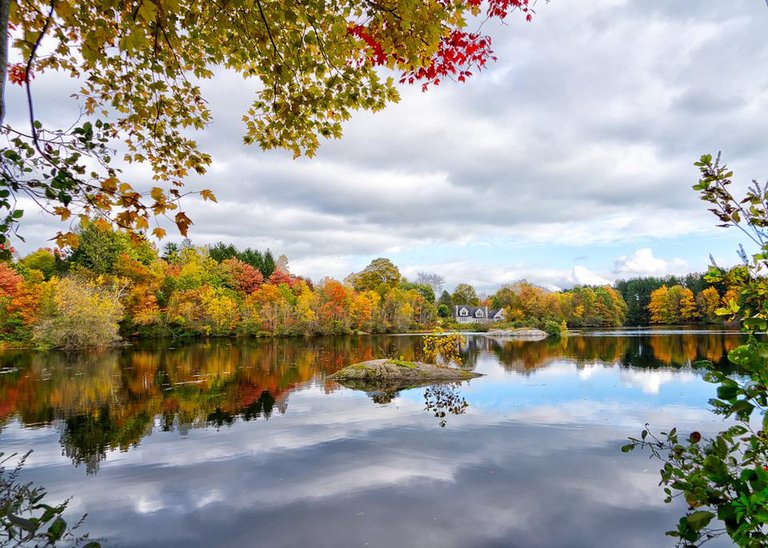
<point>138,63</point>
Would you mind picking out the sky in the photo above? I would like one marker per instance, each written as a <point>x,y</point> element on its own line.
<point>567,161</point>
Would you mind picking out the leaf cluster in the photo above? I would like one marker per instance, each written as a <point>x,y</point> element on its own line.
<point>726,476</point>
<point>25,519</point>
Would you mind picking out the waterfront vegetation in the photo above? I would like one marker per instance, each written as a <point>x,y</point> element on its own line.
<point>724,478</point>
<point>117,286</point>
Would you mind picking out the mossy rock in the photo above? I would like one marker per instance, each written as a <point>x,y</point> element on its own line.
<point>390,371</point>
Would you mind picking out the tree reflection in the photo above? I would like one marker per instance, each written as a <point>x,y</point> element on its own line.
<point>651,350</point>
<point>444,399</point>
<point>109,401</point>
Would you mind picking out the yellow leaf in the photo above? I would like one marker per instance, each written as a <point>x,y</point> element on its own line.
<point>102,225</point>
<point>159,233</point>
<point>63,212</point>
<point>109,184</point>
<point>208,195</point>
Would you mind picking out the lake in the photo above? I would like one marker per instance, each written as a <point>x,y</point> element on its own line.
<point>245,443</point>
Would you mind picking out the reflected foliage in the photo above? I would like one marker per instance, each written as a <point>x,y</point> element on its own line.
<point>444,399</point>
<point>651,350</point>
<point>110,400</point>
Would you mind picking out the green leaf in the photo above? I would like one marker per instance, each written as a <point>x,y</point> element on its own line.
<point>627,448</point>
<point>699,520</point>
<point>56,530</point>
<point>727,392</point>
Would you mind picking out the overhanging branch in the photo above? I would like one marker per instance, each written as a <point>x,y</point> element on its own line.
<point>5,10</point>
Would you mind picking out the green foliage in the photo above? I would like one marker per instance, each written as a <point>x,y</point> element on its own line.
<point>553,327</point>
<point>380,276</point>
<point>726,476</point>
<point>99,247</point>
<point>221,252</point>
<point>26,519</point>
<point>42,260</point>
<point>425,290</point>
<point>446,300</point>
<point>465,294</point>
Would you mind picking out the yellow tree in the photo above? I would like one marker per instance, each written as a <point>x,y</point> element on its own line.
<point>689,312</point>
<point>670,305</point>
<point>708,301</point>
<point>659,306</point>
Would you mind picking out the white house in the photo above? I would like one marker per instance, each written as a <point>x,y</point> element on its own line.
<point>477,314</point>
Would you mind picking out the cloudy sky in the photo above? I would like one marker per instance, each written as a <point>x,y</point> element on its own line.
<point>568,161</point>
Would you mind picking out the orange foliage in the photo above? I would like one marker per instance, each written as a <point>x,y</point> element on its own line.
<point>241,276</point>
<point>9,280</point>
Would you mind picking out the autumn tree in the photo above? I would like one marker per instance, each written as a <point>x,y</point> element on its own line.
<point>80,314</point>
<point>708,302</point>
<point>140,63</point>
<point>465,294</point>
<point>240,276</point>
<point>670,305</point>
<point>380,275</point>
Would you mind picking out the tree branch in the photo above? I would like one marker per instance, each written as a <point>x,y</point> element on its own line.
<point>5,11</point>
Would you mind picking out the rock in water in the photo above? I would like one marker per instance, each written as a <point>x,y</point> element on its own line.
<point>387,370</point>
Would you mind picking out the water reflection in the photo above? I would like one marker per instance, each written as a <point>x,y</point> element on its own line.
<point>646,350</point>
<point>112,400</point>
<point>109,400</point>
<point>444,399</point>
<point>250,441</point>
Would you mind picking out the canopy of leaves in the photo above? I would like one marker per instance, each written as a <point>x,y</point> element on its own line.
<point>465,294</point>
<point>381,275</point>
<point>140,64</point>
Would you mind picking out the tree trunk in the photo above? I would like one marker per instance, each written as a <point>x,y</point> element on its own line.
<point>5,9</point>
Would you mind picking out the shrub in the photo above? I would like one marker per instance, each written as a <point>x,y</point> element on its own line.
<point>81,314</point>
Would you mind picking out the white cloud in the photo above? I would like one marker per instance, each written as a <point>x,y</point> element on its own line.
<point>643,263</point>
<point>583,276</point>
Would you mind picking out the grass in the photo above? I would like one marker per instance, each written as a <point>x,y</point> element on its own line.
<point>402,363</point>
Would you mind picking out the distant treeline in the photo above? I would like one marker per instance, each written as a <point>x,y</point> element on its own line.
<point>114,284</point>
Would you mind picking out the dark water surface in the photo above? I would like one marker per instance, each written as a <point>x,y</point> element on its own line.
<point>248,444</point>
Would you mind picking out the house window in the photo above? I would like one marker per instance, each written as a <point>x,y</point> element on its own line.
<point>479,314</point>
<point>463,312</point>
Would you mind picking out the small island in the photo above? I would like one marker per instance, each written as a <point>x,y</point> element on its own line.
<point>401,371</point>
<point>525,334</point>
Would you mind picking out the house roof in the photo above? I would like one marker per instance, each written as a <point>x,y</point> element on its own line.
<point>472,309</point>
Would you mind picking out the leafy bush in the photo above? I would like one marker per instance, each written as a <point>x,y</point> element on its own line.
<point>553,327</point>
<point>81,314</point>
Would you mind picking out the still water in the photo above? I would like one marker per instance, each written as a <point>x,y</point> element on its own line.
<point>247,443</point>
